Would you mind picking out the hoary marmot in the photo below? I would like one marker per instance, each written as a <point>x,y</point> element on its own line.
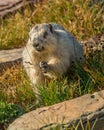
<point>49,52</point>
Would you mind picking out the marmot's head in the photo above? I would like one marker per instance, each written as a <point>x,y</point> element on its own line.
<point>42,38</point>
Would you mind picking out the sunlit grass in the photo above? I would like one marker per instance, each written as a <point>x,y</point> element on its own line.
<point>80,19</point>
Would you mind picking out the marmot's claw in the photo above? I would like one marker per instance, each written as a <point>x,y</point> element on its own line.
<point>44,66</point>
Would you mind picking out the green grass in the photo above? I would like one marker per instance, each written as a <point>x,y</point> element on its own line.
<point>82,21</point>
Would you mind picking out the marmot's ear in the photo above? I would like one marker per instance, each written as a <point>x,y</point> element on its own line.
<point>51,28</point>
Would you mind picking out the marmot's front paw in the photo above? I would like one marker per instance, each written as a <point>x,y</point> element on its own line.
<point>44,66</point>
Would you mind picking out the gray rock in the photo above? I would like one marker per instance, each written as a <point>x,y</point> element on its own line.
<point>10,55</point>
<point>9,6</point>
<point>9,58</point>
<point>89,107</point>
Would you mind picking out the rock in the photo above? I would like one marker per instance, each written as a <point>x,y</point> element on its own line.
<point>85,108</point>
<point>9,6</point>
<point>10,57</point>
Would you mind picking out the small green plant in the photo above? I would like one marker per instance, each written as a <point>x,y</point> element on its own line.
<point>9,111</point>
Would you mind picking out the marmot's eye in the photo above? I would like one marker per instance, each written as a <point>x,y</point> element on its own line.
<point>45,34</point>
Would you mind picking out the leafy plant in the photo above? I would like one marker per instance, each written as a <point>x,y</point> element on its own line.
<point>9,111</point>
